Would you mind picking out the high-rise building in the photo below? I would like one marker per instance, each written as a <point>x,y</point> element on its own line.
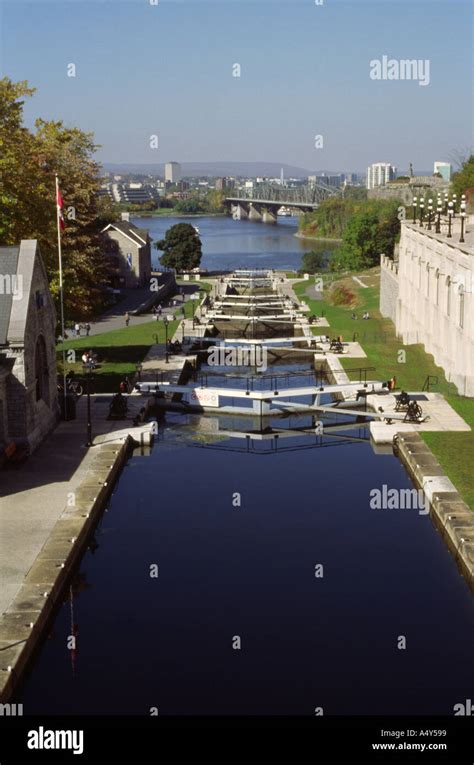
<point>379,174</point>
<point>172,172</point>
<point>444,169</point>
<point>350,178</point>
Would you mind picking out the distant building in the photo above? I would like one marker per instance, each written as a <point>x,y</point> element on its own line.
<point>172,172</point>
<point>379,174</point>
<point>129,251</point>
<point>444,169</point>
<point>335,181</point>
<point>425,186</point>
<point>350,179</point>
<point>132,193</point>
<point>28,386</point>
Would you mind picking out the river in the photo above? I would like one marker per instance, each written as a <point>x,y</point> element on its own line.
<point>228,244</point>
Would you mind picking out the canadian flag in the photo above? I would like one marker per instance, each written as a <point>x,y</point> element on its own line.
<point>60,204</point>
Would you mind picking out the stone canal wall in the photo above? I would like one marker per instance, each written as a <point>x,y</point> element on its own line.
<point>449,512</point>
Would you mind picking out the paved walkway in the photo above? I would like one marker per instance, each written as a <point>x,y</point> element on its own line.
<point>34,495</point>
<point>359,282</point>
<point>114,317</point>
<point>440,417</point>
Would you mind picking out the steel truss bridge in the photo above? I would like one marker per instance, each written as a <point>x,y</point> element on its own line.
<point>273,196</point>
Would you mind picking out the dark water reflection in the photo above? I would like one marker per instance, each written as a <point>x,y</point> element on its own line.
<point>249,571</point>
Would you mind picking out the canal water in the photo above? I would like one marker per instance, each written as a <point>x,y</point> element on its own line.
<point>228,570</point>
<point>241,569</point>
<point>228,244</point>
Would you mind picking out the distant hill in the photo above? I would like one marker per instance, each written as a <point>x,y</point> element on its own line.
<point>198,169</point>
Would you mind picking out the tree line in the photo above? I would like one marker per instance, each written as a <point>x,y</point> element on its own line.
<point>29,162</point>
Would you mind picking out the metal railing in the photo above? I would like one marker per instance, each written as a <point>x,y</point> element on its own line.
<point>362,372</point>
<point>429,381</point>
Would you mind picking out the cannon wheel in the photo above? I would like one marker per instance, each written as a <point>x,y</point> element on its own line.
<point>414,412</point>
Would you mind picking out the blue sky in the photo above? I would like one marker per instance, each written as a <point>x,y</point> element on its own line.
<point>166,69</point>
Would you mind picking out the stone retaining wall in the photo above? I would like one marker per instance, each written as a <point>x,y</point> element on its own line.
<point>449,512</point>
<point>23,625</point>
<point>388,287</point>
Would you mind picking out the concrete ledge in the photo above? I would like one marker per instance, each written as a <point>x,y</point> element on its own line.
<point>23,624</point>
<point>449,512</point>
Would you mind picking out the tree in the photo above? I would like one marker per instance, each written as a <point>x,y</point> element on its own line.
<point>29,162</point>
<point>312,262</point>
<point>464,179</point>
<point>181,246</point>
<point>189,206</point>
<point>369,233</point>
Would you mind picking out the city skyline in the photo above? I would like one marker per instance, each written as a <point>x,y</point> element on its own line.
<point>173,77</point>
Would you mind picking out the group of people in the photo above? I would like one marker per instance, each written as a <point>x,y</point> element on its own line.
<point>77,329</point>
<point>90,359</point>
<point>365,315</point>
<point>174,347</point>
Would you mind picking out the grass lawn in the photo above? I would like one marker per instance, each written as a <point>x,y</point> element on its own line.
<point>205,286</point>
<point>118,351</point>
<point>455,451</point>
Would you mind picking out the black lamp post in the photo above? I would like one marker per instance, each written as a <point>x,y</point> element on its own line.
<point>445,202</point>
<point>166,320</point>
<point>438,220</point>
<point>414,209</point>
<point>87,369</point>
<point>430,213</point>
<point>450,215</point>
<point>463,217</point>
<point>454,205</point>
<point>422,210</point>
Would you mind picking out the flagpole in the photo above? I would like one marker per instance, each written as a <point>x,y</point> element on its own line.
<point>61,296</point>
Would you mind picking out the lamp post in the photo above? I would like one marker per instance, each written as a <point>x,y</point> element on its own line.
<point>87,369</point>
<point>438,220</point>
<point>414,209</point>
<point>445,202</point>
<point>422,210</point>
<point>166,320</point>
<point>463,217</point>
<point>430,213</point>
<point>450,215</point>
<point>454,204</point>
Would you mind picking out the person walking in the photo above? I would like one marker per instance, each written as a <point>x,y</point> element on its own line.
<point>77,327</point>
<point>88,329</point>
<point>127,319</point>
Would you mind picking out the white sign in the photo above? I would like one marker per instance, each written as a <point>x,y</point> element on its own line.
<point>204,397</point>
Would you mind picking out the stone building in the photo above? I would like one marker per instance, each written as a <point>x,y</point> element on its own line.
<point>428,294</point>
<point>129,251</point>
<point>420,186</point>
<point>28,389</point>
